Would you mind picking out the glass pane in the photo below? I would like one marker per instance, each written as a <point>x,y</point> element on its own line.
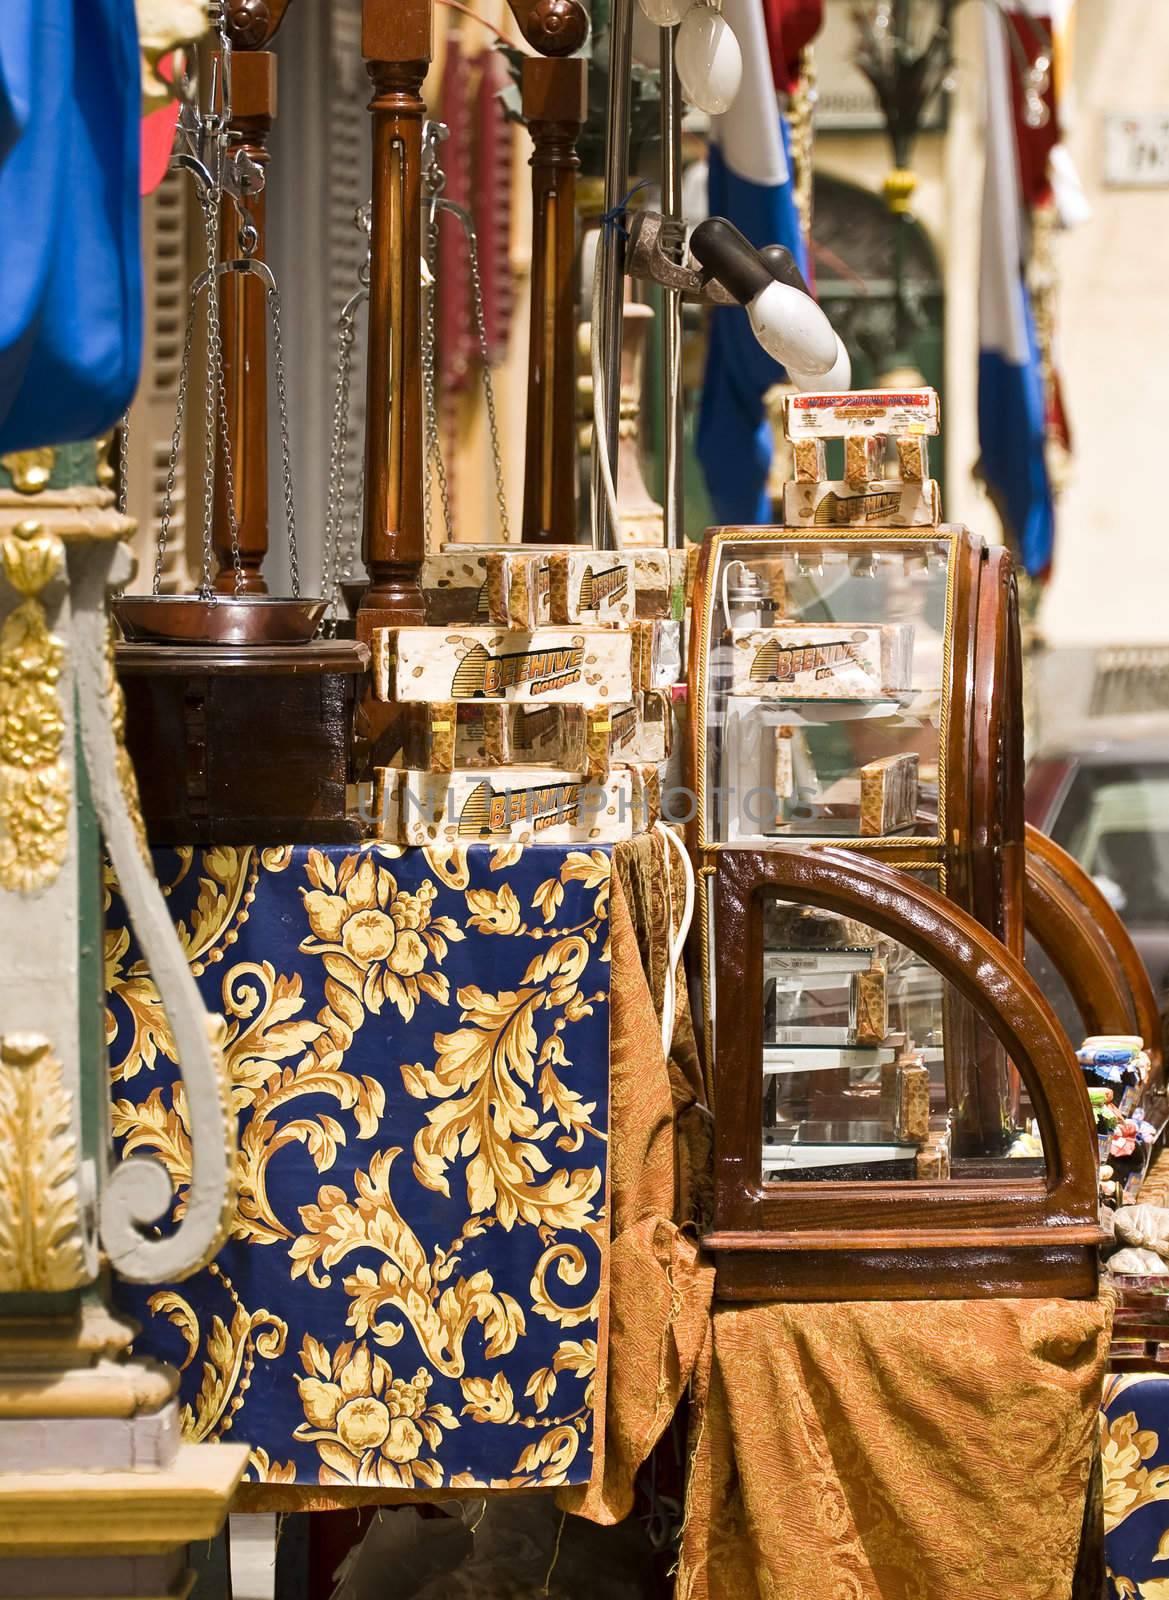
<point>873,1068</point>
<point>824,687</point>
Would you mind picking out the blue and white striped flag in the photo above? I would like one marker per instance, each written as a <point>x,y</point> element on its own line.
<point>1011,399</point>
<point>751,185</point>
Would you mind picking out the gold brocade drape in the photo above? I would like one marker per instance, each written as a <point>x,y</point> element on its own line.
<point>658,1302</point>
<point>893,1451</point>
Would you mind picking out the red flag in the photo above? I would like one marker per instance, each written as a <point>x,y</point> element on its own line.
<point>790,24</point>
<point>1033,35</point>
<point>158,134</point>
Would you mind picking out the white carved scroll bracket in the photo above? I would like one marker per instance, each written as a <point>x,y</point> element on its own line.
<point>137,1192</point>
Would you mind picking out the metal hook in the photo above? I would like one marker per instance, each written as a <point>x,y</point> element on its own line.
<point>241,265</point>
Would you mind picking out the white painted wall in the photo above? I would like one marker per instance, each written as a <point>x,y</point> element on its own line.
<point>1111,579</point>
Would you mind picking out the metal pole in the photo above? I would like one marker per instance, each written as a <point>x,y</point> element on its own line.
<point>673,505</point>
<point>612,247</point>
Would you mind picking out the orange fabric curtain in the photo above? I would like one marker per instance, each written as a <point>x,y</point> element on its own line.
<point>893,1451</point>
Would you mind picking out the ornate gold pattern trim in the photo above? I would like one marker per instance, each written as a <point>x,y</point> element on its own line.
<point>35,786</point>
<point>30,470</point>
<point>41,1237</point>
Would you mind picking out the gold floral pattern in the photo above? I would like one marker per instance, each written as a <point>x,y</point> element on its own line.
<point>370,1427</point>
<point>416,1042</point>
<point>229,1349</point>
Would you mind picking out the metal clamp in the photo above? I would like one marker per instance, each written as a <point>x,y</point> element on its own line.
<point>657,253</point>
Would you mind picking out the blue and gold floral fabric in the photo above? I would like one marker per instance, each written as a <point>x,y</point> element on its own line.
<point>419,1051</point>
<point>1134,1450</point>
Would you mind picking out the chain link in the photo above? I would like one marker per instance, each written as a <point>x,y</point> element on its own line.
<point>488,385</point>
<point>435,179</point>
<point>123,460</point>
<point>285,444</point>
<point>175,446</point>
<point>335,508</point>
<point>216,412</point>
<point>434,460</point>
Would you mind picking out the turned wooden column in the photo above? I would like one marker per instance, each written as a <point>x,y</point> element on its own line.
<point>555,97</point>
<point>397,44</point>
<point>243,314</point>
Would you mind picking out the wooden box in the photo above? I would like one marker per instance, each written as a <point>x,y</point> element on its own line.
<point>243,746</point>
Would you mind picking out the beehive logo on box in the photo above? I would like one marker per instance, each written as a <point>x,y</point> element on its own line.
<point>602,588</point>
<point>482,675</point>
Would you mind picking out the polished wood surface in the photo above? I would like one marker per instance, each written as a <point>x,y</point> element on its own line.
<point>1079,952</point>
<point>243,746</point>
<point>555,102</point>
<point>552,27</point>
<point>1006,1236</point>
<point>243,313</point>
<point>1095,909</point>
<point>252,24</point>
<point>397,44</point>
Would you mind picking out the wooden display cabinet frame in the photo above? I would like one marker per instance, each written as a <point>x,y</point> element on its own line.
<point>893,1240</point>
<point>1090,947</point>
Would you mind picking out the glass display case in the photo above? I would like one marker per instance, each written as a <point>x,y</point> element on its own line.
<point>824,665</point>
<point>856,759</point>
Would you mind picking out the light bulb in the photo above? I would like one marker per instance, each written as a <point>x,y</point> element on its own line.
<point>784,318</point>
<point>835,381</point>
<point>791,327</point>
<point>665,13</point>
<point>709,61</point>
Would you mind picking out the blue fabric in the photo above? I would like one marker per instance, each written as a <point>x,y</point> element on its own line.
<point>1134,1447</point>
<point>70,267</point>
<point>419,1048</point>
<point>1012,433</point>
<point>734,438</point>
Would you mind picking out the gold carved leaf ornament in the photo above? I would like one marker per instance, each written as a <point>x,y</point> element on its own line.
<point>35,787</point>
<point>42,1234</point>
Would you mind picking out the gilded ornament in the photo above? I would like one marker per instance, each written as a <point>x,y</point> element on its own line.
<point>41,1231</point>
<point>30,470</point>
<point>898,189</point>
<point>32,557</point>
<point>35,785</point>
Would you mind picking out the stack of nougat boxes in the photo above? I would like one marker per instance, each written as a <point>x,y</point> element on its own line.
<point>867,420</point>
<point>537,700</point>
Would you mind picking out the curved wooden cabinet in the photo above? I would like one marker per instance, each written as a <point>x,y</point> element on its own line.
<point>1094,955</point>
<point>1023,1233</point>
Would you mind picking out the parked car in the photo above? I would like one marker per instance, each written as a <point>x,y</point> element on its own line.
<point>1104,796</point>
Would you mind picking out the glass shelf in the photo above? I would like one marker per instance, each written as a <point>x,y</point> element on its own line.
<point>854,1066</point>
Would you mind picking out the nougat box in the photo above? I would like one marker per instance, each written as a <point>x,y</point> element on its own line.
<point>879,503</point>
<point>522,586</point>
<point>888,794</point>
<point>454,583</point>
<point>446,735</point>
<point>877,411</point>
<point>579,666</point>
<point>821,661</point>
<point>519,805</point>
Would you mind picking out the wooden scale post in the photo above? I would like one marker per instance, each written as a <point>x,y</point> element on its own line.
<point>239,721</point>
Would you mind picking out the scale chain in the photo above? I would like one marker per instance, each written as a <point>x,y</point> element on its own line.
<point>430,383</point>
<point>175,447</point>
<point>216,410</point>
<point>285,447</point>
<point>335,510</point>
<point>488,385</point>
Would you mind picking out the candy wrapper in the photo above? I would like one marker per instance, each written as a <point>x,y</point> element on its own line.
<point>818,661</point>
<point>515,805</point>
